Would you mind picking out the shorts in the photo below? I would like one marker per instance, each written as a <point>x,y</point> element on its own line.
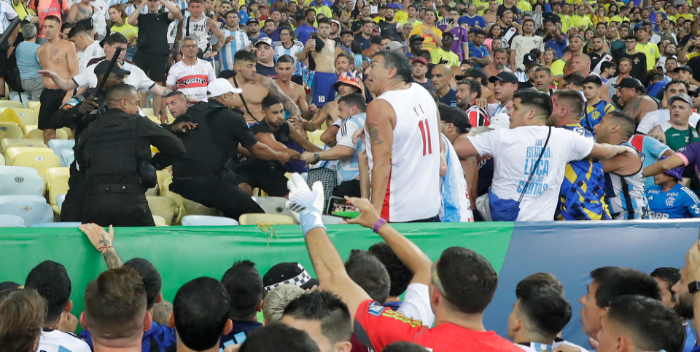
<point>3,62</point>
<point>51,100</point>
<point>154,64</point>
<point>322,88</point>
<point>270,180</point>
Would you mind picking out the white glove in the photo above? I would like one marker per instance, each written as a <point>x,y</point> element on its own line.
<point>306,202</point>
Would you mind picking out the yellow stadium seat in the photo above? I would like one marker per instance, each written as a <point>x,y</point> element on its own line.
<point>324,126</point>
<point>11,104</point>
<point>32,132</point>
<point>32,104</point>
<point>28,116</point>
<point>6,142</point>
<point>24,143</point>
<point>315,137</point>
<point>148,111</point>
<point>36,158</point>
<point>10,130</point>
<point>189,207</point>
<point>57,182</point>
<point>165,178</point>
<point>36,109</point>
<point>159,220</point>
<point>164,207</point>
<point>69,133</point>
<point>10,115</point>
<point>267,219</point>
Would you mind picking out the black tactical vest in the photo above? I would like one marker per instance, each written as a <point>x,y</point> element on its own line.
<point>112,147</point>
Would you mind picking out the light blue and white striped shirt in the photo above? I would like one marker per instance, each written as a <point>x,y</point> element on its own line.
<point>348,168</point>
<point>7,14</point>
<point>294,51</point>
<point>239,42</point>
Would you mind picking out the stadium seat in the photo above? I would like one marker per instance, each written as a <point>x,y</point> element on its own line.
<point>20,142</point>
<point>37,158</point>
<point>33,211</point>
<point>28,116</point>
<point>36,109</point>
<point>10,115</point>
<point>57,184</point>
<point>165,178</point>
<point>10,130</point>
<point>315,137</point>
<point>331,220</point>
<point>189,207</point>
<point>57,224</point>
<point>11,104</point>
<point>58,145</point>
<point>32,132</point>
<point>59,201</point>
<point>274,205</point>
<point>69,133</point>
<point>267,219</point>
<point>11,221</point>
<point>32,104</point>
<point>159,220</point>
<point>16,180</point>
<point>164,207</point>
<point>67,157</point>
<point>148,111</point>
<point>203,220</point>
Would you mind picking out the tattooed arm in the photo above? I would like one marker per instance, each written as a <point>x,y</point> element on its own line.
<point>380,115</point>
<point>657,133</point>
<point>102,241</point>
<point>286,100</point>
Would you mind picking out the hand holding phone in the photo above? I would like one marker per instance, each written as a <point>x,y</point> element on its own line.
<point>342,208</point>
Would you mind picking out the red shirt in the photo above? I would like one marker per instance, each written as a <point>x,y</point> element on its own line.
<point>377,326</point>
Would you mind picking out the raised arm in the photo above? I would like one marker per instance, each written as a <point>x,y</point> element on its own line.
<point>134,17</point>
<point>607,151</point>
<point>174,12</point>
<point>660,166</point>
<point>286,100</point>
<point>102,241</point>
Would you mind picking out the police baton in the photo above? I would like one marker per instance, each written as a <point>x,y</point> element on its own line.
<point>11,28</point>
<point>106,75</point>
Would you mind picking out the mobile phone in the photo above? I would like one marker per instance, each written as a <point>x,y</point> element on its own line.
<point>342,208</point>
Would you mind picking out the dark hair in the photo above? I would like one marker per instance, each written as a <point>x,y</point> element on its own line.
<point>474,86</point>
<point>677,81</point>
<point>355,99</point>
<point>52,18</point>
<point>291,33</point>
<point>399,61</point>
<point>268,101</point>
<point>66,25</point>
<point>369,273</point>
<point>271,337</point>
<point>607,64</point>
<point>403,346</point>
<point>51,281</point>
<point>667,274</point>
<point>75,31</point>
<point>475,73</point>
<point>455,116</point>
<point>285,59</point>
<point>530,20</point>
<point>23,313</point>
<point>324,20</point>
<point>244,287</point>
<point>546,309</point>
<point>539,279</point>
<point>399,274</point>
<point>572,99</point>
<point>322,306</point>
<point>652,326</point>
<point>631,37</point>
<point>150,277</point>
<point>175,93</point>
<point>230,12</point>
<point>345,54</point>
<point>425,54</point>
<point>614,282</point>
<point>201,311</point>
<point>468,279</point>
<point>535,99</point>
<point>575,78</point>
<point>376,40</point>
<point>115,304</point>
<point>592,79</point>
<point>656,76</point>
<point>244,55</point>
<point>306,13</point>
<point>115,38</point>
<point>627,126</point>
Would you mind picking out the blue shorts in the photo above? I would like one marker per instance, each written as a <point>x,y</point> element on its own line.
<point>322,88</point>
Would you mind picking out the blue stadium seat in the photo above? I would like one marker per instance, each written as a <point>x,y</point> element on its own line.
<point>11,221</point>
<point>32,211</point>
<point>205,220</point>
<point>16,180</point>
<point>58,145</point>
<point>57,224</point>
<point>59,200</point>
<point>67,157</point>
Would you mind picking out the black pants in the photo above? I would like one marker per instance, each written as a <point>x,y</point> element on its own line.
<point>348,188</point>
<point>117,209</point>
<point>217,191</point>
<point>73,205</point>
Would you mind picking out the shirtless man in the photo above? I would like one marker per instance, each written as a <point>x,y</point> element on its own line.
<point>347,84</point>
<point>637,104</point>
<point>322,85</point>
<point>59,56</point>
<point>285,68</point>
<point>255,88</point>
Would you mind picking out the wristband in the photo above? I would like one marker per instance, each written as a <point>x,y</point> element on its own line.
<point>105,247</point>
<point>378,224</point>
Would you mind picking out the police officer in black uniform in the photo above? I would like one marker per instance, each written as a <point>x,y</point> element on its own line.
<point>204,174</point>
<point>77,113</point>
<point>114,155</point>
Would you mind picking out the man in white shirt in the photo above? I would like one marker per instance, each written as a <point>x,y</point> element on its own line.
<point>88,48</point>
<point>530,159</point>
<point>191,75</point>
<point>51,281</point>
<point>523,44</point>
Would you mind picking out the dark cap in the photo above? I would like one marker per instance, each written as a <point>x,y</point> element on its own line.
<point>506,77</point>
<point>683,68</point>
<point>529,59</point>
<point>683,97</point>
<point>447,34</point>
<point>455,116</point>
<point>346,31</point>
<point>253,20</point>
<point>629,83</point>
<point>288,273</point>
<point>103,66</point>
<point>415,37</point>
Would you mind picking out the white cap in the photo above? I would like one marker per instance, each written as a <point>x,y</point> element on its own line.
<point>499,121</point>
<point>221,86</point>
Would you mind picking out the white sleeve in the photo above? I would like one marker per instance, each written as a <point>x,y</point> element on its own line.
<point>484,142</point>
<point>211,76</point>
<point>10,12</point>
<point>139,79</point>
<point>579,146</point>
<point>171,80</point>
<point>346,139</point>
<point>416,304</point>
<point>86,78</point>
<point>648,122</point>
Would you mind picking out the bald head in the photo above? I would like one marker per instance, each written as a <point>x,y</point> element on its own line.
<point>581,63</point>
<point>124,97</point>
<point>441,77</point>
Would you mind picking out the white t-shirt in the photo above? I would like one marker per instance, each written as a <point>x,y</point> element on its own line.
<point>58,341</point>
<point>193,80</point>
<point>416,304</point>
<point>137,78</point>
<point>658,117</point>
<point>515,153</point>
<point>91,52</point>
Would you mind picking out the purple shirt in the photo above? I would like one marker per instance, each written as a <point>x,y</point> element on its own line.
<point>461,36</point>
<point>691,156</point>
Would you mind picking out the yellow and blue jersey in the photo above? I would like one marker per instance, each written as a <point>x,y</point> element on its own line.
<point>582,194</point>
<point>592,114</point>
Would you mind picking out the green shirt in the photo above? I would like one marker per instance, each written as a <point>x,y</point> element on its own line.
<point>677,139</point>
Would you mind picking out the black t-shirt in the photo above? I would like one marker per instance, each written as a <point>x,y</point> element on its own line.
<point>389,30</point>
<point>595,59</point>
<point>428,85</point>
<point>364,42</point>
<point>694,65</point>
<point>281,135</point>
<point>450,98</point>
<point>153,33</point>
<point>266,71</point>
<point>503,8</point>
<point>639,66</point>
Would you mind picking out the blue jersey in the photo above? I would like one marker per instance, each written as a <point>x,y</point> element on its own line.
<point>292,51</point>
<point>651,150</point>
<point>679,202</point>
<point>594,113</point>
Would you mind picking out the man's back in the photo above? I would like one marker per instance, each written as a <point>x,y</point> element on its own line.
<point>27,60</point>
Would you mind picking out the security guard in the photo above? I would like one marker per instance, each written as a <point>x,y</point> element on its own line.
<point>77,113</point>
<point>204,174</point>
<point>114,155</point>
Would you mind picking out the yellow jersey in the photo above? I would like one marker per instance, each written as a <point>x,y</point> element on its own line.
<point>651,51</point>
<point>428,41</point>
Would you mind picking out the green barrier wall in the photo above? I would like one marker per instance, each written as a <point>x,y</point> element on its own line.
<point>183,253</point>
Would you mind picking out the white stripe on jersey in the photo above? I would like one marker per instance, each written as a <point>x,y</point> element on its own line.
<point>691,194</point>
<point>229,50</point>
<point>294,51</point>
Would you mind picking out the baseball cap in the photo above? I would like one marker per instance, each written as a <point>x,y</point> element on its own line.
<point>529,59</point>
<point>253,20</point>
<point>337,22</point>
<point>415,37</point>
<point>683,97</point>
<point>103,66</point>
<point>346,31</point>
<point>628,83</point>
<point>221,86</point>
<point>264,40</point>
<point>349,79</point>
<point>683,68</point>
<point>419,59</point>
<point>503,76</point>
<point>288,273</point>
<point>676,172</point>
<point>394,45</point>
<point>455,116</point>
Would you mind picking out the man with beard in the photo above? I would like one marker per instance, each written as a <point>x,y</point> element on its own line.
<point>598,54</point>
<point>388,26</point>
<point>468,91</point>
<point>346,39</point>
<point>669,52</point>
<point>523,44</point>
